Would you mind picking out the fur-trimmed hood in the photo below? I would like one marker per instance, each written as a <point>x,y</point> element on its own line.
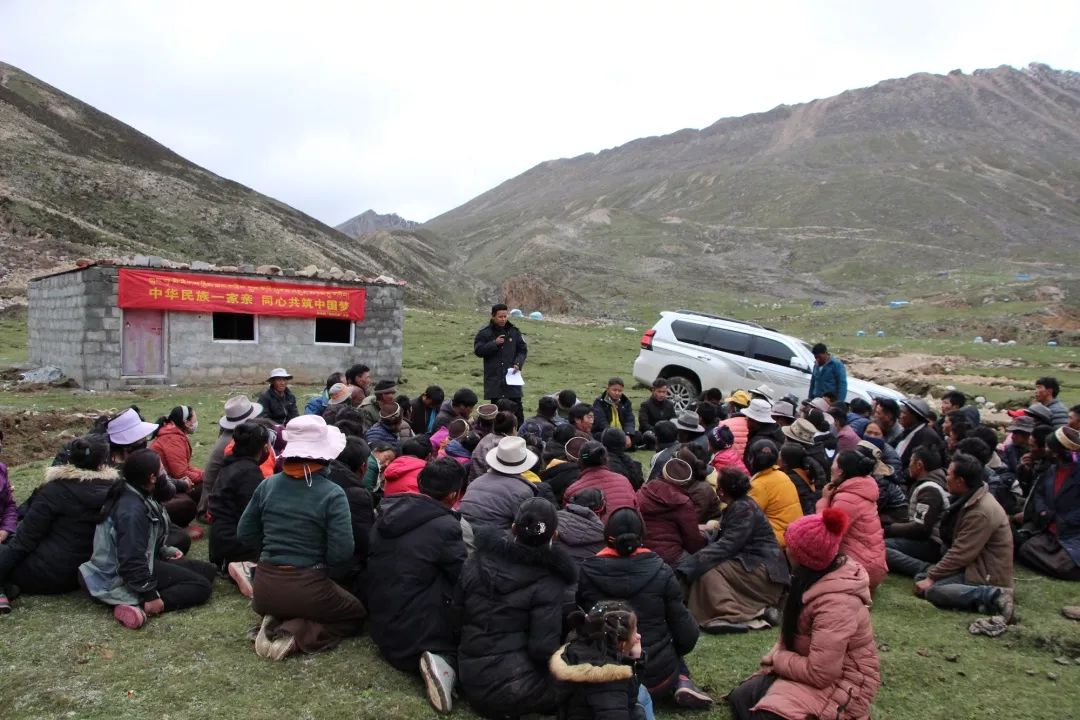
<point>568,670</point>
<point>70,472</point>
<point>516,564</point>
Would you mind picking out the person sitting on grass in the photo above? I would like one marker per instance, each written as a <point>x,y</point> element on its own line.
<point>236,483</point>
<point>619,460</point>
<point>771,488</point>
<point>132,569</point>
<point>581,533</point>
<point>510,604</point>
<point>390,427</point>
<point>702,485</point>
<point>542,424</point>
<point>277,400</point>
<point>975,572</point>
<point>854,490</point>
<point>825,664</point>
<point>738,578</point>
<point>174,448</point>
<point>346,471</point>
<point>725,454</point>
<point>563,470</point>
<point>803,475</point>
<point>494,497</point>
<point>1050,543</point>
<point>671,519</point>
<point>320,402</point>
<point>403,471</point>
<point>301,520</point>
<point>595,670</point>
<point>614,410</point>
<point>919,539</point>
<point>626,570</point>
<point>618,492</point>
<point>503,425</point>
<point>415,559</point>
<point>56,534</point>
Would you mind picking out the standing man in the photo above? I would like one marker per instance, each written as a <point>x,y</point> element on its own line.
<point>829,375</point>
<point>503,349</point>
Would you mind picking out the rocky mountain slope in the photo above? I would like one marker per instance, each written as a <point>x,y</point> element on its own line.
<point>844,196</point>
<point>370,221</point>
<point>75,181</point>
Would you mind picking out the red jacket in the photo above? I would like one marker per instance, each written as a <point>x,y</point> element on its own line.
<point>864,541</point>
<point>833,669</point>
<point>403,475</point>
<point>671,527</point>
<point>618,492</point>
<point>174,449</point>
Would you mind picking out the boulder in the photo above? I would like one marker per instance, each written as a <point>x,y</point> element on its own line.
<point>42,375</point>
<point>310,271</point>
<point>201,265</point>
<point>268,270</point>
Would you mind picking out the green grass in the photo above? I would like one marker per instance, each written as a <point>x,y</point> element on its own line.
<point>65,657</point>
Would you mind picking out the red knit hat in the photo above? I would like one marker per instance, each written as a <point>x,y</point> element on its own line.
<point>814,540</point>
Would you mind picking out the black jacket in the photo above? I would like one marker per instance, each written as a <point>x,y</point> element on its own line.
<point>416,557</point>
<point>510,602</point>
<point>56,534</point>
<point>594,687</point>
<point>499,359</point>
<point>420,415</point>
<point>235,484</point>
<point>561,476</point>
<point>279,408</point>
<point>651,412</point>
<point>362,514</point>
<point>602,415</point>
<point>620,461</point>
<point>538,425</point>
<point>745,535</point>
<point>644,580</point>
<point>580,532</point>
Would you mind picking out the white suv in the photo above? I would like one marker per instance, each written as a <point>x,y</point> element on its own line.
<point>694,351</point>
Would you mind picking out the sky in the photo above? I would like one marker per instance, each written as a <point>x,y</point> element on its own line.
<point>417,107</point>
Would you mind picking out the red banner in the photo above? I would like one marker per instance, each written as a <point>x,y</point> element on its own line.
<point>183,292</point>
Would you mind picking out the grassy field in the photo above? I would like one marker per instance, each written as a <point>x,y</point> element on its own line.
<point>64,657</point>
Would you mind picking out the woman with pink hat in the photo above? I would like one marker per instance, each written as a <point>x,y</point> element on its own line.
<point>825,664</point>
<point>301,520</point>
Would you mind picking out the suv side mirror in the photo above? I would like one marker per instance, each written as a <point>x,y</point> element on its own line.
<point>799,364</point>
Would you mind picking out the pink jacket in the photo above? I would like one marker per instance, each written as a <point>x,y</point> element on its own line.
<point>865,540</point>
<point>729,458</point>
<point>402,475</point>
<point>618,492</point>
<point>833,670</point>
<point>737,425</point>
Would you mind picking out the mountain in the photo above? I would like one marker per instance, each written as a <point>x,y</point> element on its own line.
<point>75,181</point>
<point>370,221</point>
<point>843,197</point>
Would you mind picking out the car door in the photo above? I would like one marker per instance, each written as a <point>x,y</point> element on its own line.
<point>729,351</point>
<point>771,364</point>
<point>688,349</point>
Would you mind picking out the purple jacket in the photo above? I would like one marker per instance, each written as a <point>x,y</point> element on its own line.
<point>9,516</point>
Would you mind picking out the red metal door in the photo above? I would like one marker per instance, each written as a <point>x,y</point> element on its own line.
<point>143,351</point>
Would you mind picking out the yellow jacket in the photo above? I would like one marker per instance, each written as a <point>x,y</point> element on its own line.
<point>774,492</point>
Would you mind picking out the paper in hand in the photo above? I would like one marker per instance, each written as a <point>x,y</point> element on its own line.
<point>513,377</point>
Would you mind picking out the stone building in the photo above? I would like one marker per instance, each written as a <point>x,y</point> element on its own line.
<point>111,326</point>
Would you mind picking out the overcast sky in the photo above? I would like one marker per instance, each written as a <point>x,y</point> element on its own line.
<point>415,108</point>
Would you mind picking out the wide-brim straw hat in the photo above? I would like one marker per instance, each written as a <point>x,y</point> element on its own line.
<point>511,456</point>
<point>308,436</point>
<point>239,409</point>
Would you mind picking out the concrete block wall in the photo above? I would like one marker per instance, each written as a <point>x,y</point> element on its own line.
<point>75,323</point>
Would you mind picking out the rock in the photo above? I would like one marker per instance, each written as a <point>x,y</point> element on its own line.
<point>183,266</point>
<point>228,268</point>
<point>980,400</point>
<point>268,270</point>
<point>386,280</point>
<point>1031,673</point>
<point>141,260</point>
<point>201,265</point>
<point>42,375</point>
<point>155,261</point>
<point>952,658</point>
<point>350,275</point>
<point>922,652</point>
<point>1063,661</point>
<point>84,262</point>
<point>309,271</point>
<point>1052,677</point>
<point>247,268</point>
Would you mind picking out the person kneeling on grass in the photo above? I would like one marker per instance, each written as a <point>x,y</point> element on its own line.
<point>132,568</point>
<point>301,520</point>
<point>625,570</point>
<point>596,668</point>
<point>415,559</point>
<point>825,664</point>
<point>510,604</point>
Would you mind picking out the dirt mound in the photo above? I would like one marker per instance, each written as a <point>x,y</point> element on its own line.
<point>530,293</point>
<point>33,435</point>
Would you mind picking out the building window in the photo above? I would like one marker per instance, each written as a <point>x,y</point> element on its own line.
<point>329,331</point>
<point>234,327</point>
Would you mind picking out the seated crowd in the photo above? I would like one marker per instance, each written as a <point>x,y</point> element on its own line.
<point>537,566</point>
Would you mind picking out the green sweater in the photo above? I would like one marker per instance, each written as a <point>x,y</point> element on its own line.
<point>298,525</point>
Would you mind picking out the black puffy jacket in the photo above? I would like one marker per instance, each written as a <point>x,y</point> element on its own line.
<point>233,488</point>
<point>595,687</point>
<point>561,476</point>
<point>510,602</point>
<point>644,580</point>
<point>500,358</point>
<point>56,534</point>
<point>416,557</point>
<point>620,461</point>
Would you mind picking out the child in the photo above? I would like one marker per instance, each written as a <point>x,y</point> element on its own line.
<point>596,669</point>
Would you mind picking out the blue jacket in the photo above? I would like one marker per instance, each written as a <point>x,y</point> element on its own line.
<point>1062,509</point>
<point>380,433</point>
<point>316,405</point>
<point>829,378</point>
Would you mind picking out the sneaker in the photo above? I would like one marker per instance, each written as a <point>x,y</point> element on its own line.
<point>262,639</point>
<point>5,606</point>
<point>242,575</point>
<point>439,680</point>
<point>282,646</point>
<point>130,616</point>
<point>1004,605</point>
<point>689,695</point>
<point>723,627</point>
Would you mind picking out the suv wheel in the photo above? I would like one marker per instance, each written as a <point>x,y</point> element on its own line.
<point>681,392</point>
